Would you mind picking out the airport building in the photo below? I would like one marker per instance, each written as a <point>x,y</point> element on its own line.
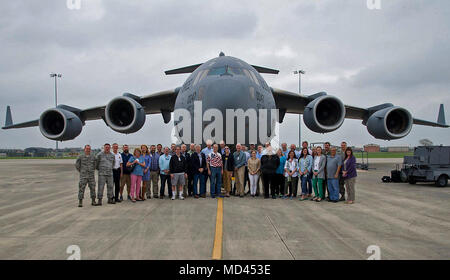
<point>372,148</point>
<point>398,149</point>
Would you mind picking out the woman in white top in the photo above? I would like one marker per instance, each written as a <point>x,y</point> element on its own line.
<point>291,174</point>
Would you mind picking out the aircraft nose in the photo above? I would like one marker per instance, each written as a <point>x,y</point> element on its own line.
<point>225,93</point>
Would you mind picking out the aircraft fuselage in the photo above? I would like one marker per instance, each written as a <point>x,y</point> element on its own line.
<point>225,83</point>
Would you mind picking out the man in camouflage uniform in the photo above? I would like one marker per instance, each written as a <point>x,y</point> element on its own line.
<point>105,164</point>
<point>85,164</point>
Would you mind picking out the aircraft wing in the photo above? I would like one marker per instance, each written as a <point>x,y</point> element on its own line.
<point>163,101</point>
<point>290,102</point>
<point>295,103</point>
<point>160,102</point>
<point>22,125</point>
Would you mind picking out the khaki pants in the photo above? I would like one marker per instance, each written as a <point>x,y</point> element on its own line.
<point>239,176</point>
<point>125,179</point>
<point>154,178</point>
<point>350,185</point>
<point>227,180</point>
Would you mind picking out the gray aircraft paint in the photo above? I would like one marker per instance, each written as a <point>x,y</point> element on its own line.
<point>236,84</point>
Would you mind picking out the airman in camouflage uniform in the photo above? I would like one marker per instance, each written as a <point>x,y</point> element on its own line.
<point>105,164</point>
<point>85,164</point>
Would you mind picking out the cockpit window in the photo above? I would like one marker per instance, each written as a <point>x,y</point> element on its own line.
<point>254,78</point>
<point>247,73</point>
<point>225,70</point>
<point>217,71</point>
<point>200,76</point>
<point>235,71</point>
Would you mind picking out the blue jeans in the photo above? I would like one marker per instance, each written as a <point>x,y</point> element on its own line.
<point>304,183</point>
<point>202,179</point>
<point>164,179</point>
<point>216,181</point>
<point>333,188</point>
<point>310,188</point>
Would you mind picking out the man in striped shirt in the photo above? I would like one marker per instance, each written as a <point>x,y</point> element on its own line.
<point>215,171</point>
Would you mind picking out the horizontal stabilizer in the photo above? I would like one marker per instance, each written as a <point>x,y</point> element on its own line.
<point>265,70</point>
<point>183,70</point>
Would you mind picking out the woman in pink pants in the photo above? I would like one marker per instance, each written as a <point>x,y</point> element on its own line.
<point>137,164</point>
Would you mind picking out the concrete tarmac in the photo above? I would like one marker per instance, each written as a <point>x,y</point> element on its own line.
<point>39,219</point>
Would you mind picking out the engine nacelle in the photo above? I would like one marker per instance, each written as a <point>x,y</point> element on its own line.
<point>390,123</point>
<point>59,124</point>
<point>124,114</point>
<point>324,114</point>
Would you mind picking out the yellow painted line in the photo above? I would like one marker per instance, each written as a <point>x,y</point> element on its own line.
<point>217,248</point>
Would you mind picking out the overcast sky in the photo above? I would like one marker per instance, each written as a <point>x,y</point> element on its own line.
<point>398,54</point>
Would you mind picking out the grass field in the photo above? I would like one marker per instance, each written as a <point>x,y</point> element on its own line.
<point>385,155</point>
<point>5,158</point>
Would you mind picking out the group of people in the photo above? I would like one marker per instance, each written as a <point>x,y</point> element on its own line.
<point>147,171</point>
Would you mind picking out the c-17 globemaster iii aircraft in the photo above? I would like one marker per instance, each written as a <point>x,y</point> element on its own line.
<point>225,83</point>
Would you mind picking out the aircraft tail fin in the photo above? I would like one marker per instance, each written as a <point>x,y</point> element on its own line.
<point>440,121</point>
<point>8,120</point>
<point>441,115</point>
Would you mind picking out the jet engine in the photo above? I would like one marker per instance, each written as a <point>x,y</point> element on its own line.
<point>390,123</point>
<point>124,114</point>
<point>59,124</point>
<point>324,114</point>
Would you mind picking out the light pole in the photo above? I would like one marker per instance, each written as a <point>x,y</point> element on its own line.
<point>299,73</point>
<point>56,76</point>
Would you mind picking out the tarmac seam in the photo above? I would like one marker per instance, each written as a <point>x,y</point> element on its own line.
<point>281,238</point>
